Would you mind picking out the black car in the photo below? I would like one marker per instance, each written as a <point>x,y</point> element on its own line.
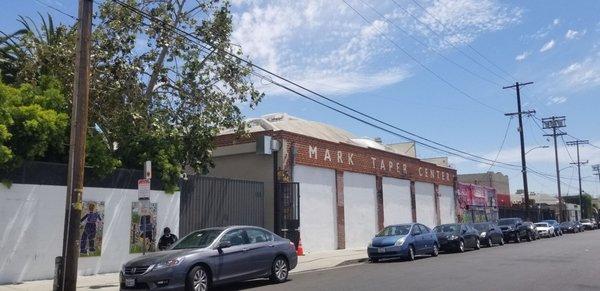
<point>532,233</point>
<point>557,229</point>
<point>457,237</point>
<point>579,226</point>
<point>513,229</point>
<point>568,227</point>
<point>489,233</point>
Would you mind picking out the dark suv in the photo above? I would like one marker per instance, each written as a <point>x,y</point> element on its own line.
<point>513,229</point>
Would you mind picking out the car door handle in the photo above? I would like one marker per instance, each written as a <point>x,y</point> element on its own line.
<point>271,246</point>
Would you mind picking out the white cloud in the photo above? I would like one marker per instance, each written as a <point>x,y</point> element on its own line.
<point>582,75</point>
<point>544,31</point>
<point>574,34</point>
<point>548,46</point>
<point>556,22</point>
<point>325,42</point>
<point>557,100</point>
<point>522,56</point>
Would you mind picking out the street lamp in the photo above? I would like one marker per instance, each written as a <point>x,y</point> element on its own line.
<point>538,147</point>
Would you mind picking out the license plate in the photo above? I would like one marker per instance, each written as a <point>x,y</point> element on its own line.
<point>130,282</point>
<point>381,250</point>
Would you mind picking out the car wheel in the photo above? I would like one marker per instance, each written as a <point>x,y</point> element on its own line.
<point>517,238</point>
<point>489,242</point>
<point>529,237</point>
<point>436,250</point>
<point>502,241</point>
<point>461,246</point>
<point>197,279</point>
<point>477,244</point>
<point>373,260</point>
<point>411,253</point>
<point>279,270</point>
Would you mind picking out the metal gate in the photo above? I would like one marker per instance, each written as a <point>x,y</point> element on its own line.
<point>209,202</point>
<point>287,211</point>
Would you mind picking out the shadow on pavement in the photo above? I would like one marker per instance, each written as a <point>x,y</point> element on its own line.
<point>245,285</point>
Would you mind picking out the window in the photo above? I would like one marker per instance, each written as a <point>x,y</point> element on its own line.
<point>416,230</point>
<point>236,237</point>
<point>198,239</point>
<point>424,229</point>
<point>256,235</point>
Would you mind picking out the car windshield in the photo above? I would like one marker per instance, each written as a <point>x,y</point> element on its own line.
<point>393,230</point>
<point>507,221</point>
<point>481,226</point>
<point>197,240</point>
<point>447,228</point>
<point>543,224</point>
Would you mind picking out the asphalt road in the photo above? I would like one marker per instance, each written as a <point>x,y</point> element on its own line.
<point>570,262</point>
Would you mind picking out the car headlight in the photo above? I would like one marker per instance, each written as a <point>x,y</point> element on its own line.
<point>453,237</point>
<point>168,264</point>
<point>400,241</point>
<point>483,234</point>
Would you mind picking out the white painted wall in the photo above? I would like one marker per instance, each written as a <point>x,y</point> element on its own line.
<point>360,209</point>
<point>396,201</point>
<point>425,203</point>
<point>447,209</point>
<point>318,225</point>
<point>31,228</point>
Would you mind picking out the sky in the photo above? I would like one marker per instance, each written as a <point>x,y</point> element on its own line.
<point>435,68</point>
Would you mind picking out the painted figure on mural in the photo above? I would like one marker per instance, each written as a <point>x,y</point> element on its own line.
<point>88,237</point>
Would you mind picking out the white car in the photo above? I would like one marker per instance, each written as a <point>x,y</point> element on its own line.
<point>544,229</point>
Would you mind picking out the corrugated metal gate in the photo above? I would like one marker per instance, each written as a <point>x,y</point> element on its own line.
<point>287,212</point>
<point>209,202</point>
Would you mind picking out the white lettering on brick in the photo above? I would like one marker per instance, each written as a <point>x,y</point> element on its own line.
<point>312,152</point>
<point>350,162</point>
<point>339,157</point>
<point>327,155</point>
<point>373,159</point>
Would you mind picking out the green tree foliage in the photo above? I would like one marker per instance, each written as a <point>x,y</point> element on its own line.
<point>33,123</point>
<point>154,94</point>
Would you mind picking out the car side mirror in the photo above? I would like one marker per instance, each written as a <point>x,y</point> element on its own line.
<point>223,245</point>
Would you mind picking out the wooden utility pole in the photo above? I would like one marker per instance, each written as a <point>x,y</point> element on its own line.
<point>553,123</point>
<point>520,113</point>
<point>66,274</point>
<point>579,163</point>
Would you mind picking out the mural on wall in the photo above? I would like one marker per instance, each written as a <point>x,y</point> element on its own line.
<point>143,226</point>
<point>92,224</point>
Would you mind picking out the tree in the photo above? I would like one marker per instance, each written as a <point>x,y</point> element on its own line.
<point>155,95</point>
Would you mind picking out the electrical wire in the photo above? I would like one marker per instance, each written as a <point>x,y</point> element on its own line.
<point>422,64</point>
<point>502,144</point>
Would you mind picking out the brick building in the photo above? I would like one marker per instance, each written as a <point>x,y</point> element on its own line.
<point>349,187</point>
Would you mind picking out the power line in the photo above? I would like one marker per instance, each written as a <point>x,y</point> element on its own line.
<point>441,38</point>
<point>422,64</point>
<point>502,144</point>
<point>469,45</point>
<point>56,9</point>
<point>429,47</point>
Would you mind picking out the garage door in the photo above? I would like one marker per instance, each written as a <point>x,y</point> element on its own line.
<point>447,210</point>
<point>360,209</point>
<point>425,203</point>
<point>317,208</point>
<point>396,201</point>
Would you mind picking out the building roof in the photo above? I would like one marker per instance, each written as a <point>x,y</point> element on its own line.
<point>286,122</point>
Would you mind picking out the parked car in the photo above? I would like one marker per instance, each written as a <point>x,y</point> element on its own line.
<point>403,241</point>
<point>213,256</point>
<point>569,227</point>
<point>557,229</point>
<point>544,229</point>
<point>532,233</point>
<point>457,237</point>
<point>489,233</point>
<point>595,222</point>
<point>513,230</point>
<point>579,226</point>
<point>588,224</point>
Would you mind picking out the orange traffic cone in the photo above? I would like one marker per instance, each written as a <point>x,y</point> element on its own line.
<point>300,248</point>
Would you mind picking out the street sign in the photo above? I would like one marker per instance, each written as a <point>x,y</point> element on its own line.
<point>148,170</point>
<point>143,189</point>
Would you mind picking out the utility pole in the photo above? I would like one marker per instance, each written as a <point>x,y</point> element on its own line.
<point>596,168</point>
<point>520,113</point>
<point>553,123</point>
<point>579,163</point>
<point>66,273</point>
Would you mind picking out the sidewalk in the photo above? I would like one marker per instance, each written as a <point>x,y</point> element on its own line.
<point>109,282</point>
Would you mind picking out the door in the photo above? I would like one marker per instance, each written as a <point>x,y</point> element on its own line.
<point>261,250</point>
<point>233,262</point>
<point>417,238</point>
<point>427,236</point>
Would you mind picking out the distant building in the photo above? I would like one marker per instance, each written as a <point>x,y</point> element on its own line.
<point>497,181</point>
